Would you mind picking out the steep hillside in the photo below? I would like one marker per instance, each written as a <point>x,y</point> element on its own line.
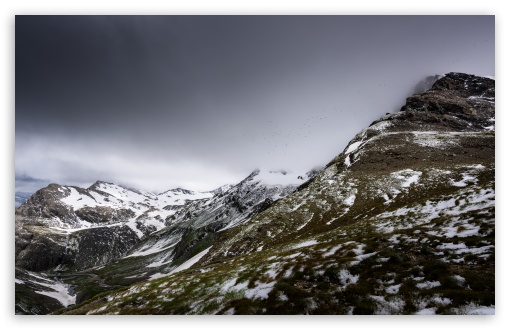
<point>401,222</point>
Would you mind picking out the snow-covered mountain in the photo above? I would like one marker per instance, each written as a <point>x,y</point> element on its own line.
<point>200,221</point>
<point>74,208</point>
<point>401,222</point>
<point>140,234</point>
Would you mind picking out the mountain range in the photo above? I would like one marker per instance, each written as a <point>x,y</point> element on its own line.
<point>402,221</point>
<point>132,234</point>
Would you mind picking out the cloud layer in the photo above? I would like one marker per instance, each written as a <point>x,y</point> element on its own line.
<point>156,102</point>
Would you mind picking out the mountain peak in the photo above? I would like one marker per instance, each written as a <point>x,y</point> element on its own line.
<point>466,84</point>
<point>96,185</point>
<point>180,191</point>
<point>456,101</point>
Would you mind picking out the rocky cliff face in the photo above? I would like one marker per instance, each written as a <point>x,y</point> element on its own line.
<point>401,222</point>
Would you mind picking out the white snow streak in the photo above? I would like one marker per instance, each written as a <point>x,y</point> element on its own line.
<point>59,291</point>
<point>190,262</point>
<point>304,244</point>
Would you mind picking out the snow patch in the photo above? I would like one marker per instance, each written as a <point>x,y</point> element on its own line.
<point>381,126</point>
<point>59,291</point>
<point>190,262</point>
<point>347,161</point>
<point>434,139</point>
<point>393,289</point>
<point>467,178</point>
<point>132,225</point>
<point>333,251</point>
<point>474,309</point>
<point>159,246</point>
<point>407,177</point>
<point>346,278</point>
<point>353,147</point>
<point>260,291</point>
<point>349,201</point>
<point>77,200</point>
<point>428,285</point>
<point>304,244</point>
<point>230,286</point>
<point>185,265</point>
<point>427,311</point>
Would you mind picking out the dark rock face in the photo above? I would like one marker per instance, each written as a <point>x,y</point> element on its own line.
<point>98,246</point>
<point>466,85</point>
<point>104,215</point>
<point>38,250</point>
<point>41,249</point>
<point>42,242</point>
<point>458,101</point>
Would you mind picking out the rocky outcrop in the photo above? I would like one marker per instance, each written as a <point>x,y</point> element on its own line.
<point>104,215</point>
<point>37,249</point>
<point>100,246</point>
<point>46,203</point>
<point>456,102</point>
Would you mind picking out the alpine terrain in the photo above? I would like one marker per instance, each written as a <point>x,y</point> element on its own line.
<point>401,222</point>
<point>72,243</point>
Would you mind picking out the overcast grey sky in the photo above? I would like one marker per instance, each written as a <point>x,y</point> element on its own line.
<point>157,102</point>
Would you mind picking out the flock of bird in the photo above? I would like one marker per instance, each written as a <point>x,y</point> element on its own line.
<point>277,139</point>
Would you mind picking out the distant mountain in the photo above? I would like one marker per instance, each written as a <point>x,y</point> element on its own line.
<point>130,234</point>
<point>401,222</point>
<point>21,197</point>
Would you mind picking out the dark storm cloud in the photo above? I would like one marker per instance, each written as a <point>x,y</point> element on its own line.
<point>219,95</point>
